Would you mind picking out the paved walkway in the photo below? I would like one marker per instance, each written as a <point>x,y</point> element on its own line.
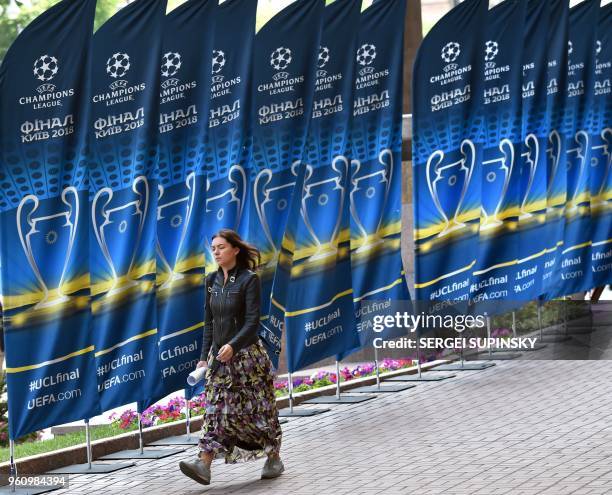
<point>521,427</point>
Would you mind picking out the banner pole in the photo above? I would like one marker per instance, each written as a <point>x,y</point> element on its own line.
<point>514,324</point>
<point>88,442</point>
<point>188,419</point>
<point>290,392</point>
<point>140,444</point>
<point>489,335</point>
<point>376,367</point>
<point>565,316</point>
<point>418,349</point>
<point>13,466</point>
<point>540,322</point>
<point>337,379</point>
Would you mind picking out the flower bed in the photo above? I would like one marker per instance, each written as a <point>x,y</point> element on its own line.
<point>175,409</point>
<point>324,378</point>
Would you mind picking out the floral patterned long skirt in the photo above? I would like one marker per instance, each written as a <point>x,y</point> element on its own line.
<point>241,419</point>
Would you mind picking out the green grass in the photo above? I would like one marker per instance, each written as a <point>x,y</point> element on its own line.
<point>62,441</point>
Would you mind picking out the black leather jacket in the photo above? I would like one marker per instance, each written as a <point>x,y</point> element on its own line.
<point>232,311</point>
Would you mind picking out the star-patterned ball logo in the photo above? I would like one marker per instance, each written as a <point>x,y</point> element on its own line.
<point>366,54</point>
<point>218,61</point>
<point>280,58</point>
<point>491,50</point>
<point>451,51</point>
<point>45,68</point>
<point>171,63</point>
<point>323,57</point>
<point>118,65</point>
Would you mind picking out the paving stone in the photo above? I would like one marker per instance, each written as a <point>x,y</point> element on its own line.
<point>523,427</point>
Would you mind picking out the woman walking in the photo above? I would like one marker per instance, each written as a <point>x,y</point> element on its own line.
<point>241,419</point>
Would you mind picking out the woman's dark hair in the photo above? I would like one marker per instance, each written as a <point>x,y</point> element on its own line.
<point>248,256</point>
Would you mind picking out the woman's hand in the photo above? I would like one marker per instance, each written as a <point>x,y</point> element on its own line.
<point>225,353</point>
<point>201,364</point>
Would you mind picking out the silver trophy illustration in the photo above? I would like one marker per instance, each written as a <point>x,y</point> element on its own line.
<point>172,215</point>
<point>119,234</point>
<point>450,184</point>
<point>576,165</point>
<point>271,201</point>
<point>496,173</point>
<point>366,206</point>
<point>601,160</point>
<point>554,157</point>
<point>532,156</point>
<point>224,210</point>
<point>49,260</point>
<point>316,203</point>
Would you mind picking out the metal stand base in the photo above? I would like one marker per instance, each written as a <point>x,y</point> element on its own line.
<point>94,469</point>
<point>375,389</point>
<point>417,378</point>
<point>343,399</point>
<point>176,440</point>
<point>577,331</point>
<point>536,347</point>
<point>500,356</point>
<point>551,338</point>
<point>463,367</point>
<point>28,490</point>
<point>136,454</point>
<point>300,413</point>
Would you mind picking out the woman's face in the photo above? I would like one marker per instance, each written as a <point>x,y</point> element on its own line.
<point>224,252</point>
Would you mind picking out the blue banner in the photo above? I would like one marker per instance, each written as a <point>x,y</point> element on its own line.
<point>556,181</point>
<point>532,239</point>
<point>376,165</point>
<point>495,275</point>
<point>319,320</point>
<point>285,64</point>
<point>601,158</point>
<point>44,221</point>
<point>574,268</point>
<point>123,195</point>
<point>184,102</point>
<point>446,154</point>
<point>228,145</point>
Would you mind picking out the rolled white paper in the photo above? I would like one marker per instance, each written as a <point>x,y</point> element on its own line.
<point>196,376</point>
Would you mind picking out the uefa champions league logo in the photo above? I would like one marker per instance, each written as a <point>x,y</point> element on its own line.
<point>597,47</point>
<point>322,61</point>
<point>323,57</point>
<point>280,58</point>
<point>491,50</point>
<point>570,48</point>
<point>451,51</point>
<point>118,65</point>
<point>171,63</point>
<point>218,62</point>
<point>366,54</point>
<point>45,68</point>
<point>365,57</point>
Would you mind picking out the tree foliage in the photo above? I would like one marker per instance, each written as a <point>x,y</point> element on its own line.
<point>13,21</point>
